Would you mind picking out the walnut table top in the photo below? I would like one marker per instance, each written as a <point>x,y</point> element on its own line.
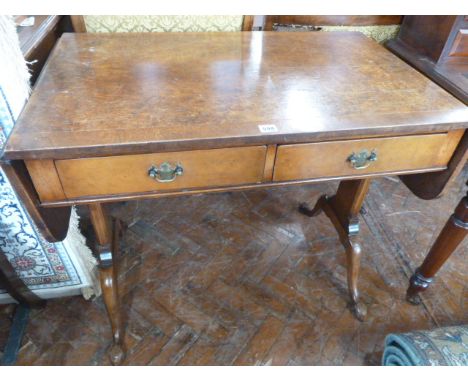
<point>109,94</point>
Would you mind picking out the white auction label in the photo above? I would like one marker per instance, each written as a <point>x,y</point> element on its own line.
<point>267,128</point>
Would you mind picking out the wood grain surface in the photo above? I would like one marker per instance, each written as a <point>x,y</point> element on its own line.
<point>109,94</point>
<point>315,160</point>
<point>129,173</point>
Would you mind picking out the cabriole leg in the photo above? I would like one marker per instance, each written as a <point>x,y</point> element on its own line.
<point>343,210</point>
<point>107,241</point>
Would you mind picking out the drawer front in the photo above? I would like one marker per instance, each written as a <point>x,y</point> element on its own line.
<point>379,155</point>
<point>129,173</point>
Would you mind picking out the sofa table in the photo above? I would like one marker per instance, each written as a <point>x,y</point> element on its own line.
<point>117,117</point>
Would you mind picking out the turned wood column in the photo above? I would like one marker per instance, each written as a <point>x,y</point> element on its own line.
<point>448,240</point>
<point>343,210</point>
<point>107,242</point>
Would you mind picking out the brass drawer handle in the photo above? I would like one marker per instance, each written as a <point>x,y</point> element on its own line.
<point>165,173</point>
<point>362,159</point>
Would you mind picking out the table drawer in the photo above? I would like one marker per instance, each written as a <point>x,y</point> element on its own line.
<point>330,159</point>
<point>129,173</point>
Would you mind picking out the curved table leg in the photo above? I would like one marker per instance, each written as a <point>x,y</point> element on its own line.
<point>353,258</point>
<point>108,239</point>
<point>448,240</point>
<point>343,211</point>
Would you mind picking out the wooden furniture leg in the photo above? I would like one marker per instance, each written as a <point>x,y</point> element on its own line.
<point>17,289</point>
<point>448,240</point>
<point>107,242</point>
<point>343,209</point>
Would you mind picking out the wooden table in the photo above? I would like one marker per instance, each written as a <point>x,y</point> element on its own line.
<point>127,116</point>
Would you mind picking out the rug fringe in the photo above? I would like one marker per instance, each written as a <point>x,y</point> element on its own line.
<point>76,244</point>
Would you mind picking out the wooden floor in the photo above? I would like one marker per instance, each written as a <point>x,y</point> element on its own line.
<point>244,279</point>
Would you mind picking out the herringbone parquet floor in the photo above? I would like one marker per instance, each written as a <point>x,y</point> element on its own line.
<point>242,278</point>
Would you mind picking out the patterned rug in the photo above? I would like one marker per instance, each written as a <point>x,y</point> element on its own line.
<point>40,264</point>
<point>438,347</point>
<point>49,269</point>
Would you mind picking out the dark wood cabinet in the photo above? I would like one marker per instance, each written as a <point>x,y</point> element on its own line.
<point>438,47</point>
